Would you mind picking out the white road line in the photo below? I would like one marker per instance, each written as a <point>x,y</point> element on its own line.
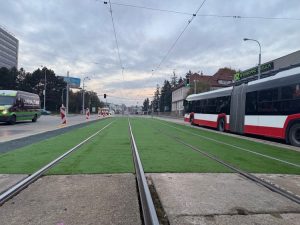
<point>234,146</point>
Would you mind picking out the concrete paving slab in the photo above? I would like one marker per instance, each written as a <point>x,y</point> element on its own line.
<point>75,200</point>
<point>200,197</point>
<point>257,219</point>
<point>7,180</point>
<point>285,181</point>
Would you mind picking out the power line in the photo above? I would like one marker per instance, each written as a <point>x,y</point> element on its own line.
<point>116,39</point>
<point>173,45</point>
<point>205,15</point>
<point>248,17</point>
<point>153,9</point>
<point>177,39</point>
<point>131,99</point>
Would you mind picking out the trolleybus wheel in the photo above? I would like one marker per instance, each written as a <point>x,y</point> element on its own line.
<point>12,120</point>
<point>294,135</point>
<point>192,120</point>
<point>221,125</point>
<point>34,119</point>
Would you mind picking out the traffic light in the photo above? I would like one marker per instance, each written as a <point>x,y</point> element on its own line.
<point>104,95</point>
<point>187,82</point>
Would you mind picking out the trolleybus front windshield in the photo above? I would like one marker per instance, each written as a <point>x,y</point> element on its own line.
<point>6,100</point>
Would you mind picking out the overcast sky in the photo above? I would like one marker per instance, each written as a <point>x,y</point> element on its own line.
<point>78,36</point>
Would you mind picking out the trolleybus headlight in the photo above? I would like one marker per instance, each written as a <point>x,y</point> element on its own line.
<point>5,111</point>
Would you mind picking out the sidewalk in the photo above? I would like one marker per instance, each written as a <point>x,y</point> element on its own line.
<point>44,124</point>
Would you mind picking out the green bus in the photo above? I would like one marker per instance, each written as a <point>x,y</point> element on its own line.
<point>19,106</point>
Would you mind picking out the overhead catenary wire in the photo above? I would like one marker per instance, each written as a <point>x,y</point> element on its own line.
<point>205,15</point>
<point>118,97</point>
<point>177,39</point>
<point>116,39</point>
<point>150,8</point>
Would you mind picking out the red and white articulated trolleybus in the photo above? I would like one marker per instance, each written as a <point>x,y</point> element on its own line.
<point>268,107</point>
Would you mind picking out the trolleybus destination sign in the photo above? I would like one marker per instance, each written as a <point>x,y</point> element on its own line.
<point>253,71</point>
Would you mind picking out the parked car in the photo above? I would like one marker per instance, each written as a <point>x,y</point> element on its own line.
<point>45,112</point>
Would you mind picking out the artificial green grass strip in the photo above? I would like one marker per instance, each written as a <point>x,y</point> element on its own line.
<point>271,150</point>
<point>242,159</point>
<point>161,154</point>
<point>32,157</point>
<point>108,152</point>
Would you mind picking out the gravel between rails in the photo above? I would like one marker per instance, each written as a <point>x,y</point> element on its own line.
<point>22,142</point>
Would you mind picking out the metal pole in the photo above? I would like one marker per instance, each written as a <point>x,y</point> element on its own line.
<point>259,61</point>
<point>62,96</point>
<point>45,91</point>
<point>67,97</point>
<point>259,56</point>
<point>83,96</point>
<point>195,87</point>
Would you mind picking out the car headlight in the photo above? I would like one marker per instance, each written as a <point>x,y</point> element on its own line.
<point>5,111</point>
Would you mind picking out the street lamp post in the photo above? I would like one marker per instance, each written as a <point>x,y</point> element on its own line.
<point>259,57</point>
<point>62,96</point>
<point>195,87</point>
<point>45,88</point>
<point>86,78</point>
<point>67,94</point>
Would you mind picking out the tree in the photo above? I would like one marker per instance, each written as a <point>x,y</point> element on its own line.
<point>165,102</point>
<point>146,105</point>
<point>180,80</point>
<point>200,87</point>
<point>8,78</point>
<point>156,100</point>
<point>35,83</point>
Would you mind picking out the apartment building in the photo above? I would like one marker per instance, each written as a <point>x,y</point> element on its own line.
<point>9,47</point>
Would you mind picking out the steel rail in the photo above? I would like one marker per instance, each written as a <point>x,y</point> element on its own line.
<point>234,146</point>
<point>15,189</point>
<point>148,209</point>
<point>249,176</point>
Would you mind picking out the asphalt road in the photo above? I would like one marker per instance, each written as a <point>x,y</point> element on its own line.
<point>25,133</point>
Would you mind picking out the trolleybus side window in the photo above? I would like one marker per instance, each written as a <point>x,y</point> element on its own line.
<point>268,102</point>
<point>211,106</point>
<point>198,106</point>
<point>223,105</point>
<point>291,92</point>
<point>251,103</point>
<point>290,97</point>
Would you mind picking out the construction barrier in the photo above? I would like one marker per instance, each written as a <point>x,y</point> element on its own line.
<point>63,114</point>
<point>87,113</point>
<point>99,113</point>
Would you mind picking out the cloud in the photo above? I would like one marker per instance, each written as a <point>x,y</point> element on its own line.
<point>77,36</point>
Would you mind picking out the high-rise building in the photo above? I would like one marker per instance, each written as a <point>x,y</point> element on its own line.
<point>9,47</point>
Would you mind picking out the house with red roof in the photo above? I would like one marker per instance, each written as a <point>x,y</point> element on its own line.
<point>221,79</point>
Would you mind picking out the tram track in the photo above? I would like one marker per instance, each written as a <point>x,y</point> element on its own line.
<point>246,175</point>
<point>146,202</point>
<point>148,211</point>
<point>147,208</point>
<point>18,187</point>
<point>233,146</point>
